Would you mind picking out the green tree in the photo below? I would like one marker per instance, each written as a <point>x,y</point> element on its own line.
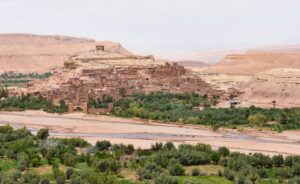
<point>103,145</point>
<point>215,157</point>
<point>224,151</point>
<point>43,134</point>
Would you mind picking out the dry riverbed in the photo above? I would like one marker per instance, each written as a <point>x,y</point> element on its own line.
<point>143,134</point>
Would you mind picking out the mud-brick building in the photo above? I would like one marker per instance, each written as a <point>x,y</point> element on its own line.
<point>100,73</point>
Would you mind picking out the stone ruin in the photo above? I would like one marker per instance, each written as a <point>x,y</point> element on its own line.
<point>98,73</point>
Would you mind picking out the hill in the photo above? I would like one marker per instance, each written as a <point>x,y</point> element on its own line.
<point>253,62</point>
<point>26,53</point>
<point>281,85</point>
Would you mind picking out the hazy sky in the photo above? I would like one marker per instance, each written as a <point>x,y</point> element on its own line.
<point>159,25</point>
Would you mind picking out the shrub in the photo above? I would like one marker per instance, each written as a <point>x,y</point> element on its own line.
<point>257,119</point>
<point>175,168</point>
<point>253,176</point>
<point>108,165</point>
<point>16,175</point>
<point>157,146</point>
<point>164,179</point>
<point>241,180</point>
<point>220,173</point>
<point>43,134</point>
<point>229,174</point>
<point>30,177</point>
<point>224,162</point>
<point>45,181</point>
<point>195,172</point>
<point>262,173</point>
<point>289,161</point>
<point>103,145</point>
<point>294,181</point>
<point>3,92</point>
<point>296,169</point>
<point>224,151</point>
<point>284,173</point>
<point>150,171</point>
<point>69,159</point>
<point>278,160</point>
<point>75,179</point>
<point>69,173</point>
<point>203,148</point>
<point>169,146</point>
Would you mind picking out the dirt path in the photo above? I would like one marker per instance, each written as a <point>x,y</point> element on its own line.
<point>141,134</point>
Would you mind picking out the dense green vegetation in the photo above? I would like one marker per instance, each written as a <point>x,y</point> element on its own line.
<point>184,108</point>
<point>103,103</point>
<point>3,92</point>
<point>27,102</point>
<point>40,159</point>
<point>19,79</point>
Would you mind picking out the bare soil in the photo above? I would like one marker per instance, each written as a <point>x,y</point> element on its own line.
<point>143,134</point>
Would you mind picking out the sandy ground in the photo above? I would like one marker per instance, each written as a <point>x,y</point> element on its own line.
<point>143,134</point>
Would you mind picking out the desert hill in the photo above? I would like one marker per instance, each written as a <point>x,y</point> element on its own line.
<point>281,85</point>
<point>254,62</point>
<point>28,53</point>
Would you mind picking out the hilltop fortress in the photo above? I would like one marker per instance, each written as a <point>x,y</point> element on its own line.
<point>98,73</point>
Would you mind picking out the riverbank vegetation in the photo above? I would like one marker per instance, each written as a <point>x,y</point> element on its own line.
<point>30,102</point>
<point>184,108</point>
<point>196,109</point>
<point>40,159</point>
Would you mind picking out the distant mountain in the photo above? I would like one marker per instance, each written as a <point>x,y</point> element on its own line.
<point>209,57</point>
<point>194,64</point>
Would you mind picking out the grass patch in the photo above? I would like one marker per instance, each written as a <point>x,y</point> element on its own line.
<point>83,167</point>
<point>204,179</point>
<point>8,164</point>
<point>122,181</point>
<point>129,174</point>
<point>46,169</point>
<point>207,169</point>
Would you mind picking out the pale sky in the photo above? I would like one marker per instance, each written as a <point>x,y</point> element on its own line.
<point>158,26</point>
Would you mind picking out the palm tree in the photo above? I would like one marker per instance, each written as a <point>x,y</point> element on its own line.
<point>274,104</point>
